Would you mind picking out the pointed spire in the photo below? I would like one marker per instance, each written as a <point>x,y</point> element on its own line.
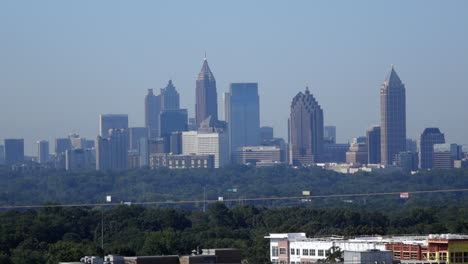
<point>205,71</point>
<point>392,76</point>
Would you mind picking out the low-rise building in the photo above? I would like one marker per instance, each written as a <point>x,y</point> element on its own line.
<point>181,161</point>
<point>296,248</point>
<point>254,154</point>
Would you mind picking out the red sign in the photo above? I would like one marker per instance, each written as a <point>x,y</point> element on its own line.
<point>404,195</point>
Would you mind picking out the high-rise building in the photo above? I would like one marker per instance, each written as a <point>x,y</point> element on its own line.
<point>111,121</point>
<point>357,153</point>
<point>442,156</point>
<point>407,161</point>
<point>175,143</point>
<point>373,145</point>
<point>242,114</point>
<point>14,151</point>
<point>411,145</point>
<point>428,138</point>
<point>78,159</point>
<point>206,97</point>
<point>62,145</point>
<point>152,111</point>
<point>135,135</point>
<point>77,142</point>
<point>170,97</point>
<point>329,134</point>
<point>43,151</point>
<point>2,155</point>
<point>172,121</point>
<point>204,142</point>
<point>306,130</point>
<point>118,148</point>
<point>266,133</point>
<point>392,118</point>
<point>102,153</point>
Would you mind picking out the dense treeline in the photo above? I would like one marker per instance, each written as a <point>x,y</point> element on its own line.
<point>48,235</point>
<point>51,234</point>
<point>38,187</point>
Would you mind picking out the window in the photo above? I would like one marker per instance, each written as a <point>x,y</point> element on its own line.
<point>327,252</point>
<point>274,251</point>
<point>298,252</point>
<point>305,252</point>
<point>292,251</point>
<point>282,262</point>
<point>320,252</point>
<point>452,257</point>
<point>458,257</point>
<point>282,251</point>
<point>443,256</point>
<point>465,257</point>
<point>396,255</point>
<point>274,261</point>
<point>312,252</point>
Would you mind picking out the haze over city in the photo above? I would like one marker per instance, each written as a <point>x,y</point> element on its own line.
<point>62,64</point>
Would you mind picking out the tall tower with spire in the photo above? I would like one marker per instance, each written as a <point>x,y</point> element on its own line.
<point>206,98</point>
<point>306,130</point>
<point>170,97</point>
<point>392,117</point>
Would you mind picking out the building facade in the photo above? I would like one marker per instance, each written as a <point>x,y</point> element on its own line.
<point>170,99</point>
<point>392,118</point>
<point>14,151</point>
<point>428,138</point>
<point>242,114</point>
<point>118,148</point>
<point>207,143</point>
<point>206,97</point>
<point>109,121</point>
<point>306,130</point>
<point>135,135</point>
<point>254,154</point>
<point>43,151</point>
<point>172,161</point>
<point>62,145</point>
<point>152,111</point>
<point>434,249</point>
<point>373,145</point>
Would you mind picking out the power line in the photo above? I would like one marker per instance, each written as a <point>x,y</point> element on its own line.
<point>232,200</point>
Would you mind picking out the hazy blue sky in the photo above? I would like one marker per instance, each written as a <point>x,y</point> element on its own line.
<point>62,63</point>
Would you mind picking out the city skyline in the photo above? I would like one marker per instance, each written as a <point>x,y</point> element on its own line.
<point>68,97</point>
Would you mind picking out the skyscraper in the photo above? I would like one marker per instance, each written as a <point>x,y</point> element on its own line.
<point>206,98</point>
<point>42,151</point>
<point>329,134</point>
<point>108,121</point>
<point>266,133</point>
<point>373,145</point>
<point>62,145</point>
<point>2,155</point>
<point>172,121</point>
<point>306,130</point>
<point>118,148</point>
<point>152,110</point>
<point>102,153</point>
<point>428,138</point>
<point>170,97</point>
<point>242,110</point>
<point>135,135</point>
<point>392,118</point>
<point>14,151</point>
